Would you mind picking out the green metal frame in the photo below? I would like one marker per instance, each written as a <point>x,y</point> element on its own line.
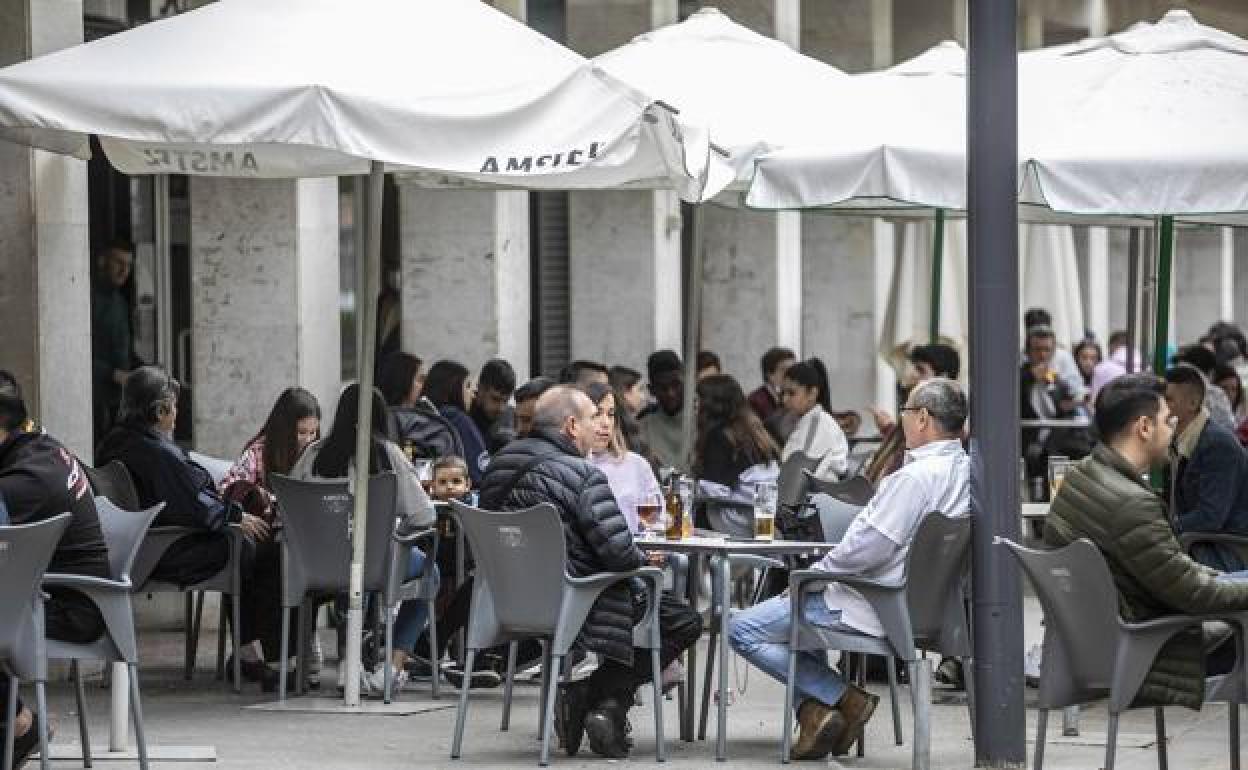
<point>1165,259</point>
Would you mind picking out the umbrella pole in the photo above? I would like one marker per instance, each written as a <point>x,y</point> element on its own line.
<point>938,260</point>
<point>992,227</point>
<point>1165,257</point>
<point>367,320</point>
<point>693,335</point>
<point>1133,295</point>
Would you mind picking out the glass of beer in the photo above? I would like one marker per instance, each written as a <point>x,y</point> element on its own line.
<point>765,496</point>
<point>1058,466</point>
<point>649,514</point>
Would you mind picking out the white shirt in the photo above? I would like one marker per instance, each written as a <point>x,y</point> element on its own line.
<point>818,435</point>
<point>936,477</point>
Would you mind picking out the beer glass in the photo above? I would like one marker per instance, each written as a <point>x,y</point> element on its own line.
<point>650,514</point>
<point>1058,465</point>
<point>765,497</point>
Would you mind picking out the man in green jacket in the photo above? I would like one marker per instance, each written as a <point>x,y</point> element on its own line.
<point>1106,500</point>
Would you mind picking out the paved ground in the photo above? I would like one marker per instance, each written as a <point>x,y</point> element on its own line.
<point>204,713</point>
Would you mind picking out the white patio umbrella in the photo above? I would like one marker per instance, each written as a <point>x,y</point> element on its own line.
<point>753,93</point>
<point>291,88</point>
<point>1142,126</point>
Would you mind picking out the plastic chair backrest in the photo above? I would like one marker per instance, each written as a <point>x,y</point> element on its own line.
<point>730,517</point>
<point>114,482</point>
<point>835,516</point>
<point>855,490</point>
<point>936,566</point>
<point>25,550</point>
<point>317,520</point>
<point>216,467</point>
<point>1080,603</point>
<point>123,534</point>
<point>793,481</point>
<point>522,558</point>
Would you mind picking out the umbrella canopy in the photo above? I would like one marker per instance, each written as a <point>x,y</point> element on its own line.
<point>1150,121</point>
<point>297,88</point>
<point>753,92</point>
<point>1108,132</point>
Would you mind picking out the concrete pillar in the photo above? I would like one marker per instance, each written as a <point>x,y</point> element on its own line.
<point>264,310</point>
<point>753,296</point>
<point>466,292</point>
<point>625,271</point>
<point>45,297</point>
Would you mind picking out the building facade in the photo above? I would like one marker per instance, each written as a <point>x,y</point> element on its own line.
<point>242,288</point>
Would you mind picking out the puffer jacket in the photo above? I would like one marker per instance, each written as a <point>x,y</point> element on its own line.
<point>1105,500</point>
<point>596,532</point>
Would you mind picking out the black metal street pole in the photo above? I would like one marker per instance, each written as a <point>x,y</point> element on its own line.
<point>992,196</point>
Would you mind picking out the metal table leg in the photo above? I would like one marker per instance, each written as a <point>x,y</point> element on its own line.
<point>724,576</point>
<point>691,671</point>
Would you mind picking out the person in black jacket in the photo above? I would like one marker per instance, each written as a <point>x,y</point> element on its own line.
<point>41,479</point>
<point>164,473</point>
<point>598,540</point>
<point>1207,479</point>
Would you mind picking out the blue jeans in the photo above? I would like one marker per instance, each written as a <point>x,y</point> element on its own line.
<point>414,613</point>
<point>760,634</point>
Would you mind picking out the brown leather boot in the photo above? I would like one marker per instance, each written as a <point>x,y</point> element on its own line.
<point>820,727</point>
<point>856,706</point>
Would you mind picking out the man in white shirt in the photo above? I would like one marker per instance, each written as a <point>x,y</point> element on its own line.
<point>936,477</point>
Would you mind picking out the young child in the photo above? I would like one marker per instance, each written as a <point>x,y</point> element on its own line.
<point>451,480</point>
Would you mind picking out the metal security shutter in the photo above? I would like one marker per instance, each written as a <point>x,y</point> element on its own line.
<point>551,292</point>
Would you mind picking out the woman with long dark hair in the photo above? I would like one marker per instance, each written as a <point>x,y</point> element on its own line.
<point>293,423</point>
<point>817,434</point>
<point>450,388</point>
<point>731,438</point>
<point>333,458</point>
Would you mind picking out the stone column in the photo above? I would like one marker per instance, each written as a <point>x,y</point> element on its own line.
<point>847,261</point>
<point>625,272</point>
<point>753,295</point>
<point>466,292</point>
<point>264,313</point>
<point>45,297</point>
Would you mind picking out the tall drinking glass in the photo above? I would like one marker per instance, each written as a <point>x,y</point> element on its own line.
<point>765,497</point>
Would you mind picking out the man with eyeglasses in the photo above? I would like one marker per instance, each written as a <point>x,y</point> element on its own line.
<point>936,477</point>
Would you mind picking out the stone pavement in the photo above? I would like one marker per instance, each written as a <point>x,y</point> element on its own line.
<point>205,713</point>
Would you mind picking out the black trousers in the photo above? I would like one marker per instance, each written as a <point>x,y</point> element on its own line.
<point>679,629</point>
<point>69,616</point>
<point>196,558</point>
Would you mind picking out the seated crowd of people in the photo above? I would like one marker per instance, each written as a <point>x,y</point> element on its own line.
<point>599,441</point>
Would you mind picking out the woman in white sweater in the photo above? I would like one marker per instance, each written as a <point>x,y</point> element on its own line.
<point>817,434</point>
<point>631,478</point>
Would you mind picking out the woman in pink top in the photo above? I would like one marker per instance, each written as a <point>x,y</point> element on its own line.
<point>630,476</point>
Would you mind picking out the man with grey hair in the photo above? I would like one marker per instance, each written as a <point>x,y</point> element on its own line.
<point>550,466</point>
<point>935,477</point>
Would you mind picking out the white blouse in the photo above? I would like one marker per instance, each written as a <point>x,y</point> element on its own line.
<point>819,435</point>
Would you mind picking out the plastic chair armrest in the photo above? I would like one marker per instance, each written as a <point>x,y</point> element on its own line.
<point>85,583</point>
<point>1188,539</point>
<point>810,579</point>
<point>724,502</point>
<point>601,580</point>
<point>420,535</point>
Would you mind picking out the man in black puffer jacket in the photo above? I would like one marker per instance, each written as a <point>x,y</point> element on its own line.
<point>549,466</point>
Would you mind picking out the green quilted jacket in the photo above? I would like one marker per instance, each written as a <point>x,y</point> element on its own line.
<point>1106,501</point>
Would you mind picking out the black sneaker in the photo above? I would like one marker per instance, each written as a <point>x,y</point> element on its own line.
<point>571,705</point>
<point>607,728</point>
<point>481,678</point>
<point>418,667</point>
